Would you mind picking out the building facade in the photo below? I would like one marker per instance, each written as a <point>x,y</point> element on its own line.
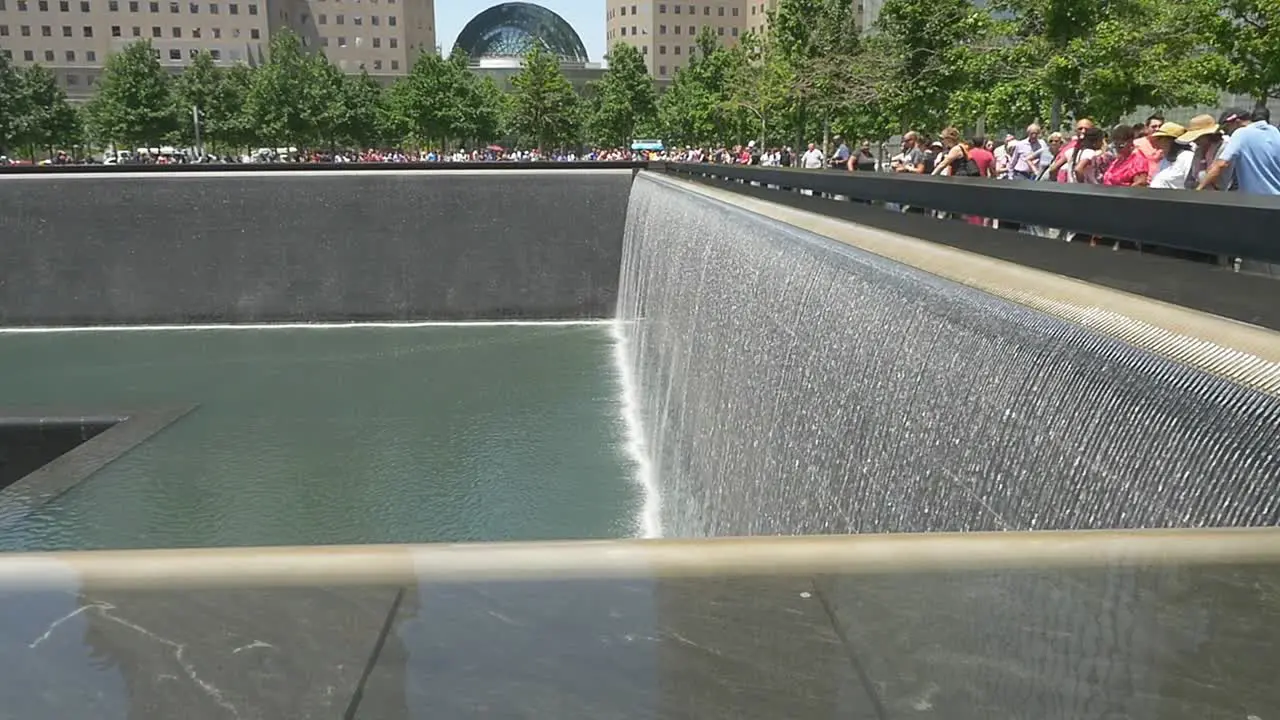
<point>665,32</point>
<point>74,37</point>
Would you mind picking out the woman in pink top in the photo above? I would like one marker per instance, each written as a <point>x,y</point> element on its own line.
<point>1130,167</point>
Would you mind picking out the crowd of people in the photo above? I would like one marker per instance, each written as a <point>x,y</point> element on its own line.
<point>1237,151</point>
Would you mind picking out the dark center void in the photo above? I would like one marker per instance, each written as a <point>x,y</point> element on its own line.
<point>28,444</point>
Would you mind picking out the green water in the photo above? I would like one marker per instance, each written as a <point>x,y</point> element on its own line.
<point>317,436</point>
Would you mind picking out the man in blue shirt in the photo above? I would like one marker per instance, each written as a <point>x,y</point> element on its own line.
<point>1254,155</point>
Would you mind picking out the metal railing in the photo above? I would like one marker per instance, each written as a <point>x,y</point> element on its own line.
<point>1217,224</point>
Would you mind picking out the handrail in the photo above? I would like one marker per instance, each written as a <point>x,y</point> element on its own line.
<point>496,165</point>
<point>1227,224</point>
<point>356,565</point>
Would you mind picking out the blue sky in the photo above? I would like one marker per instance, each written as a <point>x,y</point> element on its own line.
<point>586,16</point>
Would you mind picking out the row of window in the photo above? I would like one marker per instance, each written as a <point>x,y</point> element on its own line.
<point>340,19</point>
<point>133,6</point>
<point>47,31</point>
<point>693,10</point>
<point>662,30</point>
<point>375,43</point>
<point>174,55</point>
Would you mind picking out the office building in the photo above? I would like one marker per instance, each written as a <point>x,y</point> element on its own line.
<point>74,37</point>
<point>666,32</point>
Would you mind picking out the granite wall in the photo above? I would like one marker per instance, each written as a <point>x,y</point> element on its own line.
<point>299,247</point>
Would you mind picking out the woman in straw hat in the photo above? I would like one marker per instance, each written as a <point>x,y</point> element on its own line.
<point>1204,133</point>
<point>1175,157</point>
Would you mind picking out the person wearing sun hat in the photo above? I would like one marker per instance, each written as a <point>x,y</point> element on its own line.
<point>1205,135</point>
<point>1175,157</point>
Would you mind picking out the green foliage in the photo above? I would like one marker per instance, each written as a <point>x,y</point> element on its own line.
<point>290,96</point>
<point>46,120</point>
<point>545,109</point>
<point>133,106</point>
<point>697,108</point>
<point>624,103</point>
<point>10,92</point>
<point>439,101</point>
<point>1247,34</point>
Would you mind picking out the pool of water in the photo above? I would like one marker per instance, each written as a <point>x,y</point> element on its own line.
<point>336,435</point>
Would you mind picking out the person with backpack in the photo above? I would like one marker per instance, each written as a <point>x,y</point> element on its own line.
<point>957,162</point>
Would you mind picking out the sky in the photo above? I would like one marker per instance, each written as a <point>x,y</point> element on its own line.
<point>586,16</point>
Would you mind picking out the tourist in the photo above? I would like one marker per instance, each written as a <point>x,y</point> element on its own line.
<point>1129,167</point>
<point>1147,146</point>
<point>863,160</point>
<point>1253,153</point>
<point>1204,134</point>
<point>1024,159</point>
<point>1175,157</point>
<point>813,158</point>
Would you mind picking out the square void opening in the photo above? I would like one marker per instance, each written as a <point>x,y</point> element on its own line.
<point>28,444</point>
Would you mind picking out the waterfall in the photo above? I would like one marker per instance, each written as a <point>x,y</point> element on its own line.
<point>790,384</point>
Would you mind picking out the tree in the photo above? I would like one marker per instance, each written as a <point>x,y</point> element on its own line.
<point>490,110</point>
<point>290,94</point>
<point>133,104</point>
<point>45,118</point>
<point>360,120</point>
<point>545,108</point>
<point>1247,33</point>
<point>200,87</point>
<point>761,83</point>
<point>10,90</point>
<point>624,101</point>
<point>426,105</point>
<point>696,108</point>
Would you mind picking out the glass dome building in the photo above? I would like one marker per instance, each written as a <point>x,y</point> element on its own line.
<point>511,29</point>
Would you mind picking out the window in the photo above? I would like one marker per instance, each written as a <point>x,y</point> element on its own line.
<point>255,34</point>
<point>391,20</point>
<point>177,32</point>
<point>73,79</point>
<point>624,32</point>
<point>115,31</point>
<point>2,6</point>
<point>676,9</point>
<point>253,9</point>
<point>235,32</point>
<point>193,52</point>
<point>64,6</point>
<point>735,12</point>
<point>28,55</point>
<point>113,5</point>
<point>4,31</point>
<point>25,31</point>
<point>357,20</point>
<point>706,9</point>
<point>84,6</point>
<point>155,53</point>
<point>90,56</point>
<point>662,9</point>
<point>137,31</point>
<point>377,64</point>
<point>735,32</point>
<point>753,9</point>
<point>71,56</point>
<point>88,79</point>
<point>8,54</point>
<point>676,49</point>
<point>86,31</point>
<point>624,9</point>
<point>322,19</point>
<point>340,19</point>
<point>633,9</point>
<point>720,11</point>
<point>216,54</point>
<point>175,54</point>
<point>677,29</point>
<point>662,49</point>
<point>377,42</point>
<point>395,64</point>
<point>175,7</point>
<point>324,42</point>
<point>692,50</point>
<point>644,50</point>
<point>233,8</point>
<point>155,31</point>
<point>693,10</point>
<point>662,29</point>
<point>662,69</point>
<point>133,5</point>
<point>153,7</point>
<point>395,43</point>
<point>48,56</point>
<point>374,20</point>
<point>22,5</point>
<point>217,33</point>
<point>692,31</point>
<point>342,42</point>
<point>720,30</point>
<point>213,8</point>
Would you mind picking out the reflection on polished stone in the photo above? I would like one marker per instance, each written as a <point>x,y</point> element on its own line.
<point>708,648</point>
<point>1191,643</point>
